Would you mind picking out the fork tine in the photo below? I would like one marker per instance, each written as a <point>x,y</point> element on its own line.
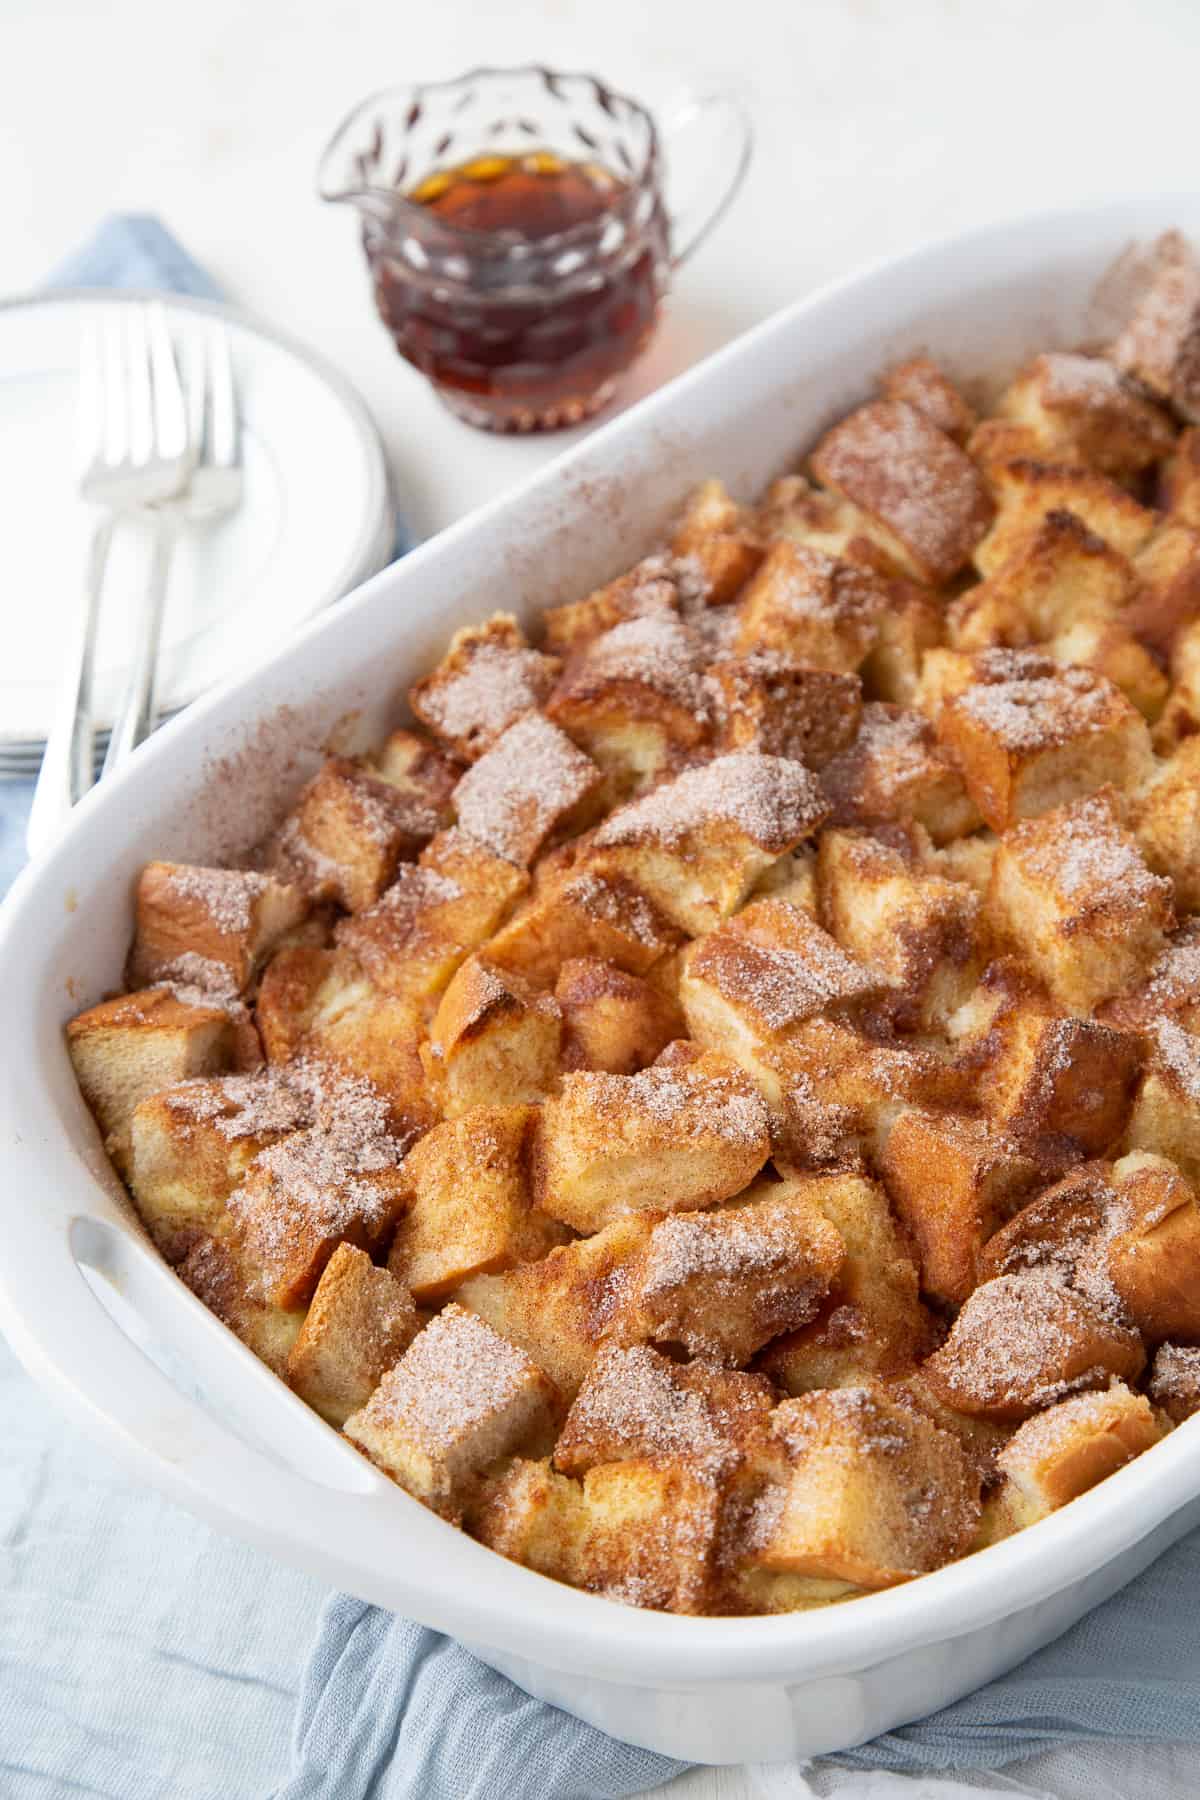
<point>116,422</point>
<point>89,409</point>
<point>170,424</point>
<point>139,390</point>
<point>195,387</point>
<point>223,444</point>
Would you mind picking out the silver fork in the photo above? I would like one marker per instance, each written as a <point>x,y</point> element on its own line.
<point>135,451</point>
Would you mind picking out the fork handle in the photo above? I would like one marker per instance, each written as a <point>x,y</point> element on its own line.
<point>68,763</point>
<point>138,709</point>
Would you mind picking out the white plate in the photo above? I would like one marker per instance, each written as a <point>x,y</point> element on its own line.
<point>315,520</point>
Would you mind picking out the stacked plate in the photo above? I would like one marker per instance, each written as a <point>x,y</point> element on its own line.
<point>316,519</point>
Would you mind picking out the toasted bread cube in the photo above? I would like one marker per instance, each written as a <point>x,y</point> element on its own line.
<point>219,1273</point>
<point>1166,820</point>
<point>1027,745</point>
<point>792,878</point>
<point>1174,1383</point>
<point>191,1145</point>
<point>953,1180</point>
<point>946,672</point>
<point>426,776</point>
<point>531,785</point>
<point>1160,344</point>
<point>1167,600</point>
<point>612,1020</point>
<point>1114,652</point>
<point>1171,990</point>
<point>348,833</point>
<point>636,1403</point>
<point>663,1140</point>
<point>1179,480</point>
<point>924,496</point>
<point>968,860</point>
<point>896,772</point>
<point>719,536</point>
<point>434,914</point>
<point>653,1529</point>
<point>764,701</point>
<point>1180,716</point>
<point>487,680</point>
<point>1072,893</point>
<point>1059,575</point>
<point>560,1308</point>
<point>494,1040</point>
<point>460,1398</point>
<point>592,913</point>
<point>696,845</point>
<point>468,1206</point>
<point>320,1004</point>
<point>1057,1232</point>
<point>1082,409</point>
<point>1152,1247</point>
<point>1061,1453</point>
<point>919,383</point>
<point>910,625</point>
<point>1022,1342</point>
<point>758,978</point>
<point>1166,1114</point>
<point>996,442</point>
<point>213,927</point>
<point>534,1516</point>
<point>1043,1077</point>
<point>979,1438</point>
<point>811,608</point>
<point>360,1321</point>
<point>793,509</point>
<point>1026,490</point>
<point>723,1283</point>
<point>873,1323</point>
<point>918,930</point>
<point>652,586</point>
<point>633,698</point>
<point>875,1493</point>
<point>126,1049</point>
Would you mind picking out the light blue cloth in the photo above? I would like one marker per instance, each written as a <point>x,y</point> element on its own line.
<point>143,1657</point>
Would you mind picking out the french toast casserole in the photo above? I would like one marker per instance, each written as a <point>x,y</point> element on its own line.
<point>711,1105</point>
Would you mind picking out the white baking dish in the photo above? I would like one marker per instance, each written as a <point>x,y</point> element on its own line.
<point>247,1455</point>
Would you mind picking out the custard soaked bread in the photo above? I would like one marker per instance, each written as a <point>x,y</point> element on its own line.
<point>711,1105</point>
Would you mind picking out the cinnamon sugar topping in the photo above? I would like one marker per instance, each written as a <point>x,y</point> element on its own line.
<point>770,800</point>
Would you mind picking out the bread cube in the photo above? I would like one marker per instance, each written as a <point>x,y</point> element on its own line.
<point>1174,1383</point>
<point>946,672</point>
<point>432,916</point>
<point>792,878</point>
<point>348,833</point>
<point>1171,990</point>
<point>723,1283</point>
<point>1152,1248</point>
<point>910,625</point>
<point>487,680</point>
<point>633,698</point>
<point>720,538</point>
<point>426,775</point>
<point>1166,1114</point>
<point>612,1020</point>
<point>810,608</point>
<point>1111,649</point>
<point>211,927</point>
<point>652,586</point>
<point>460,1398</point>
<point>696,845</point>
<point>763,701</point>
<point>1160,344</point>
<point>531,785</point>
<point>980,1439</point>
<point>320,1005</point>
<point>1057,1233</point>
<point>360,1321</point>
<point>1166,821</point>
<point>663,1140</point>
<point>635,1403</point>
<point>920,383</point>
<point>923,494</point>
<point>1042,1078</point>
<point>793,509</point>
<point>896,772</point>
<point>467,1203</point>
<point>917,929</point>
<point>1030,744</point>
<point>494,1040</point>
<point>1167,598</point>
<point>757,978</point>
<point>1083,409</point>
<point>653,1531</point>
<point>953,1180</point>
<point>873,1323</point>
<point>590,912</point>
<point>875,1493</point>
<point>219,1273</point>
<point>968,860</point>
<point>560,1308</point>
<point>191,1144</point>
<point>126,1049</point>
<point>1059,575</point>
<point>1061,1453</point>
<point>1073,895</point>
<point>534,1516</point>
<point>1180,717</point>
<point>1179,480</point>
<point>1026,489</point>
<point>1021,1342</point>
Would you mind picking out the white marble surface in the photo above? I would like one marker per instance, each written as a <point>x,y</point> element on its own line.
<point>880,122</point>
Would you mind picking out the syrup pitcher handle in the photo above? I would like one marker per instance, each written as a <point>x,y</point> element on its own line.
<point>703,179</point>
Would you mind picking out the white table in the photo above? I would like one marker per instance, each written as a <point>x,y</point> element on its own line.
<point>880,122</point>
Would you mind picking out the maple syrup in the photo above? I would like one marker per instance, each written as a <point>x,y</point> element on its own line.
<point>540,285</point>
